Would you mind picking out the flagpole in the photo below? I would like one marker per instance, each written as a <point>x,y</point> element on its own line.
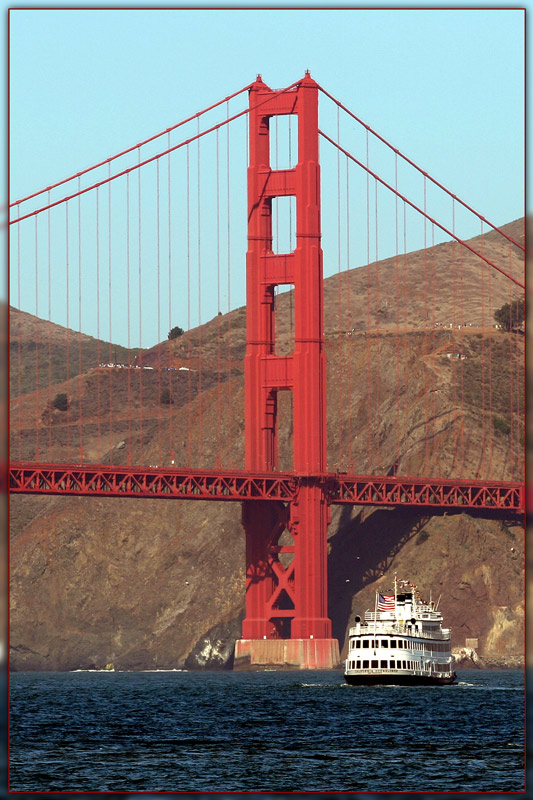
<point>375,611</point>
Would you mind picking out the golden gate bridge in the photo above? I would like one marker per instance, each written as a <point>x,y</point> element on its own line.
<point>153,227</point>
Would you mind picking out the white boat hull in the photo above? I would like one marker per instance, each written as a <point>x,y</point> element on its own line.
<point>398,679</point>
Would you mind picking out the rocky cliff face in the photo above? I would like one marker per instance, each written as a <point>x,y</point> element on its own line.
<point>142,583</point>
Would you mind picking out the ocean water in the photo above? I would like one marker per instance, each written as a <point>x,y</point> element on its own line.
<point>263,732</point>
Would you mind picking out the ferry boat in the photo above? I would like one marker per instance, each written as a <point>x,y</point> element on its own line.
<point>401,642</point>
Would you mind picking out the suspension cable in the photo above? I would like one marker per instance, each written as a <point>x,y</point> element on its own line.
<point>152,158</point>
<point>420,211</point>
<point>130,149</point>
<point>413,164</point>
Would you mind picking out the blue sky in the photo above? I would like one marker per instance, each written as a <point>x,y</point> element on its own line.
<point>446,87</point>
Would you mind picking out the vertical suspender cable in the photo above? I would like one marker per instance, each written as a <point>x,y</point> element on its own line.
<point>228,204</point>
<point>434,459</point>
<point>378,343</point>
<point>397,304</point>
<point>341,334</point>
<point>37,337</point>
<point>128,303</point>
<point>462,374</point>
<point>397,310</point>
<point>460,342</point>
<point>368,317</point>
<point>19,345</point>
<point>80,343</point>
<point>511,384</point>
<point>491,426</point>
<point>219,323</point>
<point>67,359</point>
<point>188,216</point>
<point>141,371</point>
<point>98,355</point>
<point>158,248</point>
<point>406,372</point>
<point>483,365</point>
<point>199,213</point>
<point>110,304</point>
<point>170,347</point>
<point>49,334</point>
<point>427,464</point>
<point>350,343</point>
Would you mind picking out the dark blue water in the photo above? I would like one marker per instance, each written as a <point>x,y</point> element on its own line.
<point>264,731</point>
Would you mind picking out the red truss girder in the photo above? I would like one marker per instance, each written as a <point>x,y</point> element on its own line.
<point>108,481</point>
<point>365,490</point>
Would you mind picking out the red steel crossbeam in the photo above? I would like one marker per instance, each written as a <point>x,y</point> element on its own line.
<point>108,481</point>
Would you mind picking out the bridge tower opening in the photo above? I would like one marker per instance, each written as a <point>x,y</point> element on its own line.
<point>286,621</point>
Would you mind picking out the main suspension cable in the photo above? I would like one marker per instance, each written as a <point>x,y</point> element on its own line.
<point>413,164</point>
<point>152,158</point>
<point>420,211</point>
<point>130,149</point>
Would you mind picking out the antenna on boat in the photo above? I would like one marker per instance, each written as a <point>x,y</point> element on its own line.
<point>438,601</point>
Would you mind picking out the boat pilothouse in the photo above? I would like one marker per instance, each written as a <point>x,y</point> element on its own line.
<point>401,642</point>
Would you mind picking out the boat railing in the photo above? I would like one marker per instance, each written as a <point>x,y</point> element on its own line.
<point>429,616</point>
<point>399,630</point>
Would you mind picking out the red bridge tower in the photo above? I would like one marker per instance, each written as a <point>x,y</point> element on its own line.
<point>286,619</point>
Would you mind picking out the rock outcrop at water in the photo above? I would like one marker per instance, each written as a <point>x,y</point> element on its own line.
<point>143,583</point>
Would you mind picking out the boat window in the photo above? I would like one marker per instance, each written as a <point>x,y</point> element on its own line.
<point>384,643</point>
<point>358,665</point>
<point>365,664</point>
<point>365,642</point>
<point>383,664</point>
<point>393,643</point>
<point>358,643</point>
<point>391,663</point>
<point>374,664</point>
<point>404,666</point>
<point>400,642</point>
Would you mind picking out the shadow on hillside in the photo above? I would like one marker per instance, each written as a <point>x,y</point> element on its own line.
<point>361,551</point>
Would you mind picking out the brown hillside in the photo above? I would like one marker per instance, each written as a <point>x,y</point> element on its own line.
<point>150,583</point>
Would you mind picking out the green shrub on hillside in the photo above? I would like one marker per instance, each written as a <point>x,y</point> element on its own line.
<point>511,315</point>
<point>60,401</point>
<point>175,332</point>
<point>501,425</point>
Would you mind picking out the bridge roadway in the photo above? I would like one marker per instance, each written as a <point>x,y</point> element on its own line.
<point>112,481</point>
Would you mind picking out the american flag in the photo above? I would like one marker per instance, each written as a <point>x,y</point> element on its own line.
<point>386,602</point>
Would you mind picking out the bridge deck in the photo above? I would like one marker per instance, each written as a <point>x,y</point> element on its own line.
<point>110,481</point>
